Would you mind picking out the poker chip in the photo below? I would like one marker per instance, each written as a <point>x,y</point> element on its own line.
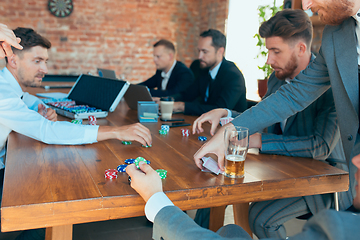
<point>130,160</point>
<point>121,168</point>
<point>111,173</point>
<point>140,159</point>
<point>162,173</point>
<point>202,138</point>
<point>165,127</point>
<point>92,119</point>
<point>126,142</point>
<point>147,146</point>
<point>185,132</point>
<point>75,121</point>
<point>163,132</point>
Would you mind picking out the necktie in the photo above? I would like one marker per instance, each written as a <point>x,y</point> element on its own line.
<point>209,78</point>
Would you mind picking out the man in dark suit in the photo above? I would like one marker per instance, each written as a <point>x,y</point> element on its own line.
<point>171,76</point>
<point>220,84</point>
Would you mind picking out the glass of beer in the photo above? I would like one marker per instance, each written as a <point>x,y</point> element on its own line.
<point>236,148</point>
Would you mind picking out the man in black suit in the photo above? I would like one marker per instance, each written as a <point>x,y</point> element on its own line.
<point>219,84</point>
<point>171,76</point>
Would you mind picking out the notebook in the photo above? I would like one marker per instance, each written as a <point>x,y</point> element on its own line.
<point>90,95</point>
<point>137,93</point>
<point>106,73</point>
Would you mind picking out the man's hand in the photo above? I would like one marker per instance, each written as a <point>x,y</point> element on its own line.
<point>134,132</point>
<point>179,107</point>
<point>47,113</point>
<point>213,117</point>
<point>255,140</point>
<point>215,145</point>
<point>8,39</point>
<point>156,100</point>
<point>146,182</point>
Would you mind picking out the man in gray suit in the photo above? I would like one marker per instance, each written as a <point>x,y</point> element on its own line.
<point>172,223</point>
<point>336,65</point>
<point>312,132</point>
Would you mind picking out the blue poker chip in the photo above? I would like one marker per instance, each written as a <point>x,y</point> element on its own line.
<point>130,160</point>
<point>121,168</point>
<point>202,138</point>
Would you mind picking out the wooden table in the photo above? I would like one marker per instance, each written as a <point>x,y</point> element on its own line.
<point>56,186</point>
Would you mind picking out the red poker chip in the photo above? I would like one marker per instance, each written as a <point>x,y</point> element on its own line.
<point>111,173</point>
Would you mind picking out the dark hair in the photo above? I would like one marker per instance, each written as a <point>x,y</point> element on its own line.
<point>29,39</point>
<point>218,38</point>
<point>289,24</point>
<point>167,44</point>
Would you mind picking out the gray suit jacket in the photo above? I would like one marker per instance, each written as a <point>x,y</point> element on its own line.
<point>335,65</point>
<point>172,223</point>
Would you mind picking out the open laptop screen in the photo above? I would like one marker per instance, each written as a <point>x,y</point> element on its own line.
<point>96,91</point>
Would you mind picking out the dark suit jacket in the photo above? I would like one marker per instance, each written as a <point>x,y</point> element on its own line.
<point>181,77</point>
<point>335,65</point>
<point>227,90</point>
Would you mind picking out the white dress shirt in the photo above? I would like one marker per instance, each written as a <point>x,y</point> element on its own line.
<point>166,76</point>
<point>357,33</point>
<point>16,116</point>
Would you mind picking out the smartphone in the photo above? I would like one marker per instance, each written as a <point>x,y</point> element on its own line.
<point>178,124</point>
<point>173,120</point>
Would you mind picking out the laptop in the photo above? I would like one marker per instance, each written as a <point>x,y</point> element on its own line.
<point>137,93</point>
<point>58,81</point>
<point>90,95</point>
<point>106,73</point>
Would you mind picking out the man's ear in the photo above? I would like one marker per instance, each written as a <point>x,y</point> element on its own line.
<point>12,60</point>
<point>221,51</point>
<point>302,48</point>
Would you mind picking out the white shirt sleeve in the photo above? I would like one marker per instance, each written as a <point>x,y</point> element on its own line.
<point>155,203</point>
<point>229,113</point>
<point>16,116</point>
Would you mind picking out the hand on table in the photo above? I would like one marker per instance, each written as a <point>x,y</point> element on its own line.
<point>255,140</point>
<point>146,181</point>
<point>213,117</point>
<point>179,107</point>
<point>156,100</point>
<point>215,145</point>
<point>47,113</point>
<point>134,132</point>
<point>8,39</point>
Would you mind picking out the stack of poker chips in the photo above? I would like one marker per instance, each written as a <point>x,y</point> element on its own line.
<point>121,168</point>
<point>185,132</point>
<point>111,173</point>
<point>147,146</point>
<point>162,173</point>
<point>92,120</point>
<point>202,138</point>
<point>164,129</point>
<point>126,142</point>
<point>75,121</point>
<point>138,160</point>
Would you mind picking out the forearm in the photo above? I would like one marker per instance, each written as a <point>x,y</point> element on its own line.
<point>105,133</point>
<point>311,146</point>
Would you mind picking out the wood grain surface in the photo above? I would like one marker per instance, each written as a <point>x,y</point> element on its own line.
<point>54,185</point>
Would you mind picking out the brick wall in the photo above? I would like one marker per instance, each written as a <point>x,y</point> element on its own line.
<point>116,34</point>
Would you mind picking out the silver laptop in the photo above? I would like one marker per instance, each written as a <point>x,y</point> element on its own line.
<point>137,93</point>
<point>90,95</point>
<point>106,73</point>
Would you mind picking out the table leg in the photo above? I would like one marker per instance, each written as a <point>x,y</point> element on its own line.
<point>59,232</point>
<point>217,215</point>
<point>241,216</point>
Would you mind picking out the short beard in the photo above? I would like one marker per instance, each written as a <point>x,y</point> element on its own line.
<point>288,70</point>
<point>336,12</point>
